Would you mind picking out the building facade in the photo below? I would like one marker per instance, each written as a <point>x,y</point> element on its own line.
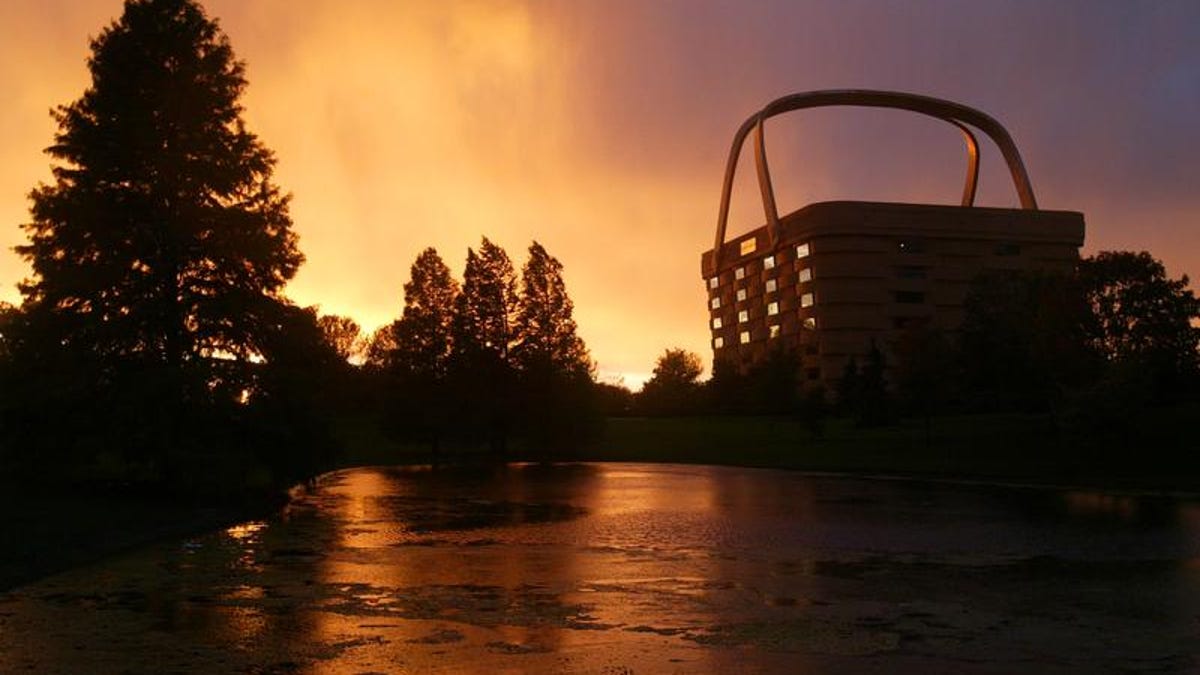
<point>846,276</point>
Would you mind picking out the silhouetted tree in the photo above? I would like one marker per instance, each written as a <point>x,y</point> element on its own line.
<point>557,406</point>
<point>481,370</point>
<point>343,334</point>
<point>674,387</point>
<point>1023,340</point>
<point>161,249</point>
<point>1143,319</point>
<point>417,361</point>
<point>614,399</point>
<point>423,336</point>
<point>380,348</point>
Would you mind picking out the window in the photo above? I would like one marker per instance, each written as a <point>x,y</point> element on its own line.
<point>741,294</point>
<point>812,349</point>
<point>772,286</point>
<point>716,323</point>
<point>810,323</point>
<point>716,303</point>
<point>807,300</point>
<point>910,297</point>
<point>813,373</point>
<point>772,309</point>
<point>712,283</point>
<point>718,342</point>
<point>1008,249</point>
<point>802,250</point>
<point>744,337</point>
<point>739,273</point>
<point>743,316</point>
<point>911,272</point>
<point>806,275</point>
<point>768,262</point>
<point>749,246</point>
<point>912,245</point>
<point>774,332</point>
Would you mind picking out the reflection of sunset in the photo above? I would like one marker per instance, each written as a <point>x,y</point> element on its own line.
<point>600,130</point>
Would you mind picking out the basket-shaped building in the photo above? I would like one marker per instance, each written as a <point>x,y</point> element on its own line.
<point>832,280</point>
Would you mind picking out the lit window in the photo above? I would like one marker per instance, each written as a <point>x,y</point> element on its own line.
<point>716,303</point>
<point>743,316</point>
<point>718,342</point>
<point>771,286</point>
<point>739,273</point>
<point>810,323</point>
<point>712,283</point>
<point>806,300</point>
<point>741,294</point>
<point>716,323</point>
<point>749,246</point>
<point>774,331</point>
<point>773,309</point>
<point>806,275</point>
<point>802,251</point>
<point>768,262</point>
<point>744,337</point>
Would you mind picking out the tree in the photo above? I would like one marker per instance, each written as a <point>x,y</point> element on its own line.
<point>343,335</point>
<point>416,395</point>
<point>674,386</point>
<point>423,336</point>
<point>160,250</point>
<point>487,308</point>
<point>1142,317</point>
<point>485,318</point>
<point>162,238</point>
<point>1023,341</point>
<point>546,329</point>
<point>554,372</point>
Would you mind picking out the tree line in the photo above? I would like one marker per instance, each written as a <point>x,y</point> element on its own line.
<point>154,345</point>
<point>1093,350</point>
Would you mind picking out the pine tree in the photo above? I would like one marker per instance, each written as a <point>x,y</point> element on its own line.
<point>159,252</point>
<point>423,336</point>
<point>162,239</point>
<point>487,308</point>
<point>545,325</point>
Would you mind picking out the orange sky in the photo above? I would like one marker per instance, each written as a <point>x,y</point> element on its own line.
<point>600,129</point>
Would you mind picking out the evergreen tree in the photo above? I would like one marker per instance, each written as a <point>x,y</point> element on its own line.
<point>555,389</point>
<point>487,308</point>
<point>159,255</point>
<point>416,391</point>
<point>423,336</point>
<point>162,238</point>
<point>545,325</point>
<point>482,373</point>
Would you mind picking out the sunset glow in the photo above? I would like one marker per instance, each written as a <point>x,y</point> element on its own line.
<point>600,130</point>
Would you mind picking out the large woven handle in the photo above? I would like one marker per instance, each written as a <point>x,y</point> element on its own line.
<point>961,116</point>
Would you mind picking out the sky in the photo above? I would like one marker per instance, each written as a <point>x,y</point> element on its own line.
<point>600,129</point>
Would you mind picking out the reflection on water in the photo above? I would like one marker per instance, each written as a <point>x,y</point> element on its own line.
<point>638,568</point>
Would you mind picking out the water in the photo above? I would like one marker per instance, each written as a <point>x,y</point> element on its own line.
<point>631,568</point>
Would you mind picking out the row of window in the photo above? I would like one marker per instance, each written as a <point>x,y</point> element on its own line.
<point>802,251</point>
<point>744,337</point>
<point>771,286</point>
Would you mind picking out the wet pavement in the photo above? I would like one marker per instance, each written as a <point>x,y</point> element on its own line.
<point>633,568</point>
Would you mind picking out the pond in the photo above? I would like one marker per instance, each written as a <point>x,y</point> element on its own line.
<point>624,568</point>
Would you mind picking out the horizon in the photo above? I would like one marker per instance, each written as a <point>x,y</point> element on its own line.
<point>614,121</point>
